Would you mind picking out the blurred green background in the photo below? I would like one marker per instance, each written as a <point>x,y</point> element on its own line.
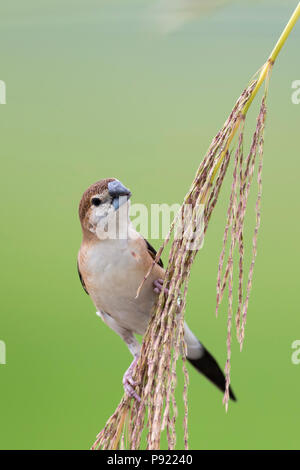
<point>97,89</point>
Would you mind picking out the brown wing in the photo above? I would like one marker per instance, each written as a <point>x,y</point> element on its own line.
<point>153,252</point>
<point>81,279</point>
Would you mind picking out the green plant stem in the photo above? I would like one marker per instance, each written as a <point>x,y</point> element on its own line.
<point>263,75</point>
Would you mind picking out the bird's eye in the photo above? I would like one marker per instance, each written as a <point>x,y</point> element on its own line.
<point>96,201</point>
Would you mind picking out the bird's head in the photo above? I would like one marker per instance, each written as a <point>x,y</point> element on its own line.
<point>100,203</point>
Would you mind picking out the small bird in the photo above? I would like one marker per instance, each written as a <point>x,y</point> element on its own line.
<point>112,262</point>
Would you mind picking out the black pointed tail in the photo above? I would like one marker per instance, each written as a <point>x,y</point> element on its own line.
<point>209,367</point>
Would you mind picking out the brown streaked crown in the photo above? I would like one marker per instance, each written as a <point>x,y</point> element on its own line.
<point>97,188</point>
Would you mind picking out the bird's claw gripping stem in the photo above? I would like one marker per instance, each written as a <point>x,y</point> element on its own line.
<point>158,285</point>
<point>129,383</point>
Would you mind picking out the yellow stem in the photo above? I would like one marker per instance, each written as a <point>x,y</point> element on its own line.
<point>273,56</point>
<point>263,74</point>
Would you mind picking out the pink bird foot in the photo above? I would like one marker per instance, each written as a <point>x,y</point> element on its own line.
<point>158,284</point>
<point>129,383</point>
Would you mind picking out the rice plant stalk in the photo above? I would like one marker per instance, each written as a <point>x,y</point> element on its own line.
<point>163,342</point>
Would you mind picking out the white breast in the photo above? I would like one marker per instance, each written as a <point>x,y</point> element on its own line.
<point>114,272</point>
